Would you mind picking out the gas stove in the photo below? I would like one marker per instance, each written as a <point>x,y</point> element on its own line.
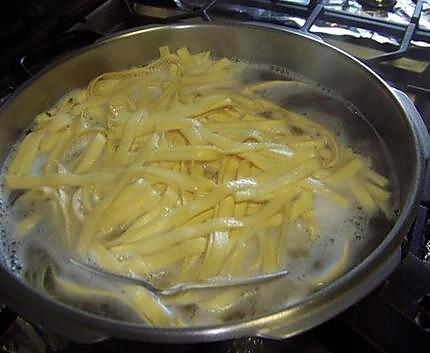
<point>391,36</point>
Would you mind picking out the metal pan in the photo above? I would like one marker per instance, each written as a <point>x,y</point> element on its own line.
<point>392,118</point>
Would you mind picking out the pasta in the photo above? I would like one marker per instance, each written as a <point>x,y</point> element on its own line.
<point>177,171</point>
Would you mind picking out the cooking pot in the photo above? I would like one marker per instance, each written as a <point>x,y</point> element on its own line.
<point>390,114</point>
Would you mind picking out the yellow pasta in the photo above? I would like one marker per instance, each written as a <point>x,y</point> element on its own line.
<point>217,244</point>
<point>172,255</point>
<point>178,171</point>
<point>56,180</point>
<point>28,149</point>
<point>92,154</point>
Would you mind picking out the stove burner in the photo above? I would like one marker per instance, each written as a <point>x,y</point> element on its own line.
<point>378,4</point>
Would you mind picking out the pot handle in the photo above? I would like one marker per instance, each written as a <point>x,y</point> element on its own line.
<point>416,119</point>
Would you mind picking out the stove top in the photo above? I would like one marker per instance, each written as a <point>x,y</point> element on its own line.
<point>391,36</point>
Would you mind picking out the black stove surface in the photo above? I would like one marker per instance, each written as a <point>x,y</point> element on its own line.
<point>393,318</point>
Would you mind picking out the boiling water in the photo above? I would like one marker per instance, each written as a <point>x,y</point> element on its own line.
<point>311,265</point>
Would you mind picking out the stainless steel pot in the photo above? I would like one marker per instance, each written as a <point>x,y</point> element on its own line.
<point>390,114</point>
